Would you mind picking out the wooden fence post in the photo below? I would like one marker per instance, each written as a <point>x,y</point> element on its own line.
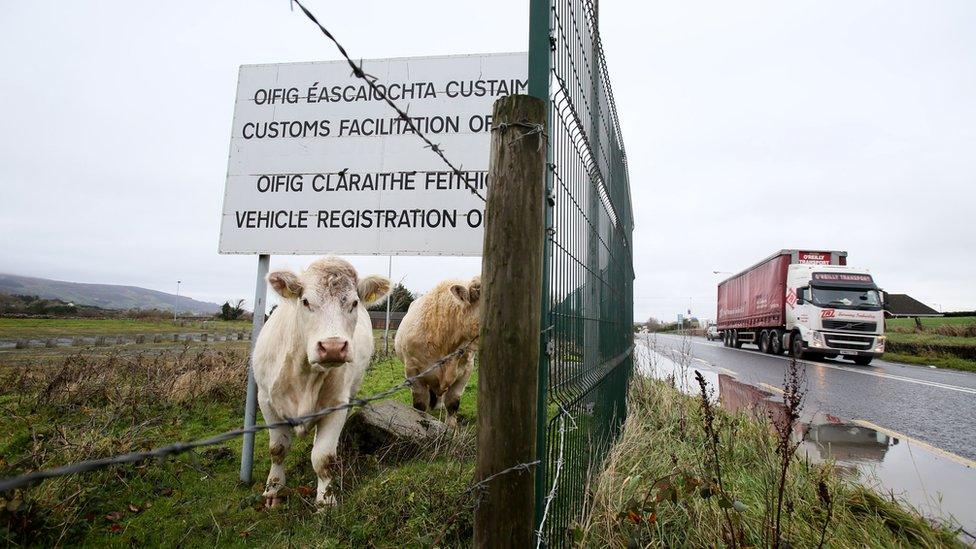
<point>511,293</point>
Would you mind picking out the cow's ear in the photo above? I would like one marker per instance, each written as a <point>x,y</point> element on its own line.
<point>373,288</point>
<point>474,290</point>
<point>286,283</point>
<point>460,292</point>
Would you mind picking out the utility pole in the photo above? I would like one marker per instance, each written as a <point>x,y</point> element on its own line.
<point>510,336</point>
<point>176,303</point>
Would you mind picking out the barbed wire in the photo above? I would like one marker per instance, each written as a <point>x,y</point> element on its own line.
<point>358,72</point>
<point>539,533</point>
<point>518,467</point>
<point>480,487</point>
<point>163,452</point>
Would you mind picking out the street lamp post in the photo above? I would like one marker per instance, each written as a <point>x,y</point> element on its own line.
<point>177,302</point>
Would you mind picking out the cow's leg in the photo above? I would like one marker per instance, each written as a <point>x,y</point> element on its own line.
<point>278,444</point>
<point>421,395</point>
<point>452,398</point>
<point>324,458</point>
<point>419,389</point>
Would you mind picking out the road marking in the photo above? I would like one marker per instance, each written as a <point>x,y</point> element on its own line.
<point>966,390</point>
<point>924,445</point>
<point>714,367</point>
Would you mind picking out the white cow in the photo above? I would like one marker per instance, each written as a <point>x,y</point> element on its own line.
<point>312,353</point>
<point>436,324</point>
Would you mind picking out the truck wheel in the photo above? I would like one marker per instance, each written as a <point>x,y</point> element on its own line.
<point>735,339</point>
<point>764,342</point>
<point>775,342</point>
<point>863,360</point>
<point>796,346</point>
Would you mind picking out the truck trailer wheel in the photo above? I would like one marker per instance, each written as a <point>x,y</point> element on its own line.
<point>764,342</point>
<point>775,342</point>
<point>735,339</point>
<point>796,346</point>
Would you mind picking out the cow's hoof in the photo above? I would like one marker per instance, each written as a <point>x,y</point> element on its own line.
<point>271,501</point>
<point>451,422</point>
<point>325,502</point>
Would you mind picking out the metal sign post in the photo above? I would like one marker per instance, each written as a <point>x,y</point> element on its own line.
<point>389,298</point>
<point>250,406</point>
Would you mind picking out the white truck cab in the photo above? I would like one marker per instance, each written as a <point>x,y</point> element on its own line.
<point>834,310</point>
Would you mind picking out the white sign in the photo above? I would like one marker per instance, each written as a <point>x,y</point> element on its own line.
<point>320,164</point>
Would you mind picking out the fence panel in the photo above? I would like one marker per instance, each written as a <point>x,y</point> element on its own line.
<point>588,287</point>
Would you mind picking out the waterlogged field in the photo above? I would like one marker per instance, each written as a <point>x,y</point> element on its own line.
<point>64,405</point>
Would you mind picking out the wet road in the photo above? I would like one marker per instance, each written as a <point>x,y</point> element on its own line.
<point>936,406</point>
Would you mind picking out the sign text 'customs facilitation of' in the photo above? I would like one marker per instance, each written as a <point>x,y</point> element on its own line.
<point>319,163</point>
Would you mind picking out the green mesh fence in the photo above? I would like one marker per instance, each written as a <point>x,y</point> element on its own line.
<point>587,332</point>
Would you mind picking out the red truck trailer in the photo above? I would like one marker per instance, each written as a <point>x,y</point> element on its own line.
<point>808,302</point>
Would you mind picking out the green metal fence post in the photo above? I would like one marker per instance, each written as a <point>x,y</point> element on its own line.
<point>538,86</point>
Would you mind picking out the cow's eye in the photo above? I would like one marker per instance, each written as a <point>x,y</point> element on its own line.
<point>355,303</point>
<point>305,301</point>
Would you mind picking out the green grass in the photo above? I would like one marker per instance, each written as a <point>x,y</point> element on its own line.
<point>930,322</point>
<point>652,491</point>
<point>385,373</point>
<point>111,403</point>
<point>11,328</point>
<point>939,361</point>
<point>930,339</point>
<point>944,342</point>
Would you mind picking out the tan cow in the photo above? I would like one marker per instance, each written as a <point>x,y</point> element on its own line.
<point>312,354</point>
<point>437,324</point>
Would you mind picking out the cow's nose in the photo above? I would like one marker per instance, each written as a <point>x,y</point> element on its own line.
<point>333,349</point>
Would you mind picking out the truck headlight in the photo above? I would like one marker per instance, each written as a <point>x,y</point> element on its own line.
<point>879,344</point>
<point>817,340</point>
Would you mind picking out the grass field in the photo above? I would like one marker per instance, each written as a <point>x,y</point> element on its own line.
<point>930,322</point>
<point>932,359</point>
<point>12,328</point>
<point>58,408</point>
<point>60,405</point>
<point>945,342</point>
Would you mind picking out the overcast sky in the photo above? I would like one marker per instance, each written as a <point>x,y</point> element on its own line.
<point>750,127</point>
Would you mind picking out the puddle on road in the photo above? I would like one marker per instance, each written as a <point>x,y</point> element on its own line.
<point>933,483</point>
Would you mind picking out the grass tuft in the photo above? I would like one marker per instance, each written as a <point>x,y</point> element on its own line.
<point>659,488</point>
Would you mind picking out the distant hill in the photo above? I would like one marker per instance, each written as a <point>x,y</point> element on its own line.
<point>106,296</point>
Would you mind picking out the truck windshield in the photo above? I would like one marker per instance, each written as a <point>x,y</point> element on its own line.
<point>845,298</point>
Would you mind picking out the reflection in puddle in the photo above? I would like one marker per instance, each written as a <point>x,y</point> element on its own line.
<point>935,484</point>
<point>846,442</point>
